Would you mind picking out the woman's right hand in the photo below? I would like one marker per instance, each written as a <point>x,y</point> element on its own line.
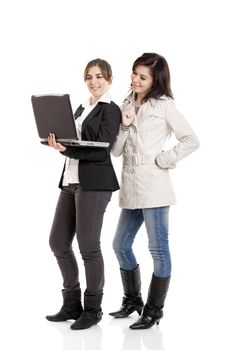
<point>56,145</point>
<point>128,116</point>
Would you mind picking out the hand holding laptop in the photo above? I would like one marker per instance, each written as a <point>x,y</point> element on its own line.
<point>56,145</point>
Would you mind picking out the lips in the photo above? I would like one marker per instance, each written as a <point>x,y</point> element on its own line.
<point>94,87</point>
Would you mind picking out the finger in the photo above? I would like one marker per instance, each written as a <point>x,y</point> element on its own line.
<point>53,138</point>
<point>49,141</point>
<point>54,142</point>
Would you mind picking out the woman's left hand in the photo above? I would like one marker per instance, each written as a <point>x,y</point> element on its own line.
<point>56,145</point>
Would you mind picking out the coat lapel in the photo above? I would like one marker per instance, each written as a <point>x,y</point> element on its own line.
<point>78,112</point>
<point>91,115</point>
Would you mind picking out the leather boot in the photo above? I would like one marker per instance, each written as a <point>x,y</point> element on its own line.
<point>92,313</point>
<point>132,300</point>
<point>71,308</point>
<point>153,310</point>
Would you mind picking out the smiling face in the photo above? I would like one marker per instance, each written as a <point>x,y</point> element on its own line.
<point>142,80</point>
<point>96,83</point>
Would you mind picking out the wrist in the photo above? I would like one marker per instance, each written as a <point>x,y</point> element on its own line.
<point>124,127</point>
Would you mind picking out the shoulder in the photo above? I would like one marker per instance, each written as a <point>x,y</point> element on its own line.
<point>161,107</point>
<point>163,101</point>
<point>164,104</point>
<point>115,106</point>
<point>111,107</point>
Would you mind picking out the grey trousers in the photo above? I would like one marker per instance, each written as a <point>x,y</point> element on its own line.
<point>79,212</point>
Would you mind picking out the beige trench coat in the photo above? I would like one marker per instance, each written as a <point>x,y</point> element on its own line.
<point>145,180</point>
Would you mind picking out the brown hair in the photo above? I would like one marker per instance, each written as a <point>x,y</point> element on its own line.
<point>160,73</point>
<point>104,66</point>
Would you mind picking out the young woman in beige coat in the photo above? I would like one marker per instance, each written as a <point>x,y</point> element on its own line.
<point>149,117</point>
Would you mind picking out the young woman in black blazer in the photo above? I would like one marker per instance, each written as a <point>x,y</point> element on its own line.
<point>87,182</point>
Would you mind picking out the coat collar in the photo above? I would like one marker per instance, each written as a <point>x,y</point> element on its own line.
<point>141,112</point>
<point>153,101</point>
<point>106,98</point>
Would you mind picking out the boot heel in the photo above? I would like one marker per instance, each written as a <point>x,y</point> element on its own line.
<point>139,310</point>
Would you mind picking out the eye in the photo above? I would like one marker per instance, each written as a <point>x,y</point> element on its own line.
<point>143,78</point>
<point>99,76</point>
<point>88,77</point>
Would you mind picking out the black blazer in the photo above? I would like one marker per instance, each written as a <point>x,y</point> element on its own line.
<point>96,172</point>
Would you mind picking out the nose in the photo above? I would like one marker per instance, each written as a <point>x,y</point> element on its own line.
<point>93,80</point>
<point>134,78</point>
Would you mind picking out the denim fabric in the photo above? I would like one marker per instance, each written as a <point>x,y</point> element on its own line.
<point>156,222</point>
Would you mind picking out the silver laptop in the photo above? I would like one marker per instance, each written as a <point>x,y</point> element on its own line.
<point>53,114</point>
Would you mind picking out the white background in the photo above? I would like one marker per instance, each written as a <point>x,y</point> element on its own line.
<point>45,46</point>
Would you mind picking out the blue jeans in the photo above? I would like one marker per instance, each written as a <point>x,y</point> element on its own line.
<point>156,221</point>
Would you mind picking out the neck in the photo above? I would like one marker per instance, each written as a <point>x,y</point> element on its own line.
<point>138,100</point>
<point>93,100</point>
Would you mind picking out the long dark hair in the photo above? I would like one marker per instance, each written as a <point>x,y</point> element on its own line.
<point>160,73</point>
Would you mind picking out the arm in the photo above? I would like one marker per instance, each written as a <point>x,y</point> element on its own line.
<point>188,141</point>
<point>119,144</point>
<point>107,133</point>
<point>128,115</point>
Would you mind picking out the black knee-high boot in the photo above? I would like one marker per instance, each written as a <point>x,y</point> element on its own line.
<point>153,310</point>
<point>71,308</point>
<point>132,300</point>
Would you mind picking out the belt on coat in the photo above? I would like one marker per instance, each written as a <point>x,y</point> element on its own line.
<point>139,159</point>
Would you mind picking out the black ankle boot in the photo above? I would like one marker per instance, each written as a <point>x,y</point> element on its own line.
<point>92,313</point>
<point>153,310</point>
<point>87,319</point>
<point>132,301</point>
<point>71,308</point>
